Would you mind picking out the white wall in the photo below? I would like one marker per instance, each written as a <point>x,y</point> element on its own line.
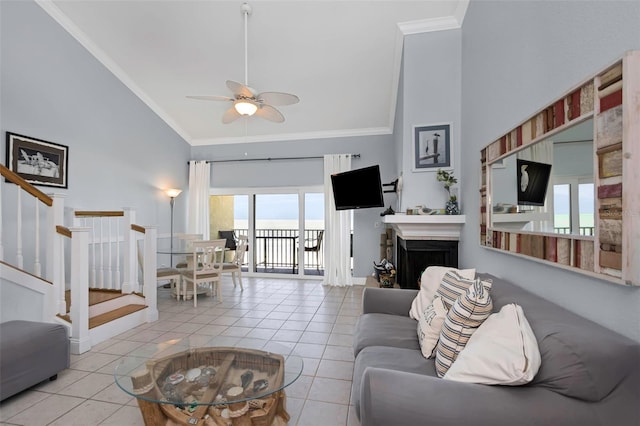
<point>120,153</point>
<point>517,57</point>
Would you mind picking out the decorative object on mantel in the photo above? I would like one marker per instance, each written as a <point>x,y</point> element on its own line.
<point>449,180</point>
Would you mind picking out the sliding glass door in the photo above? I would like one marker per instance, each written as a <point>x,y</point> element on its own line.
<point>280,241</point>
<point>276,233</point>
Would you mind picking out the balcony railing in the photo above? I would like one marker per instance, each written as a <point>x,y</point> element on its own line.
<point>584,230</point>
<point>276,250</point>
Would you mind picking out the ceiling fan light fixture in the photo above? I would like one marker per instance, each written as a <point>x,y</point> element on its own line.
<point>245,107</point>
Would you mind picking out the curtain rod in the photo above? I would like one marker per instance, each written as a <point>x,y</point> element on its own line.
<point>274,159</point>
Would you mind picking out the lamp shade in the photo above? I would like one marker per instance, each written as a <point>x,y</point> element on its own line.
<point>245,107</point>
<point>172,192</point>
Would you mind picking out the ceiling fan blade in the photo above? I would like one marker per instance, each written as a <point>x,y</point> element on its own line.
<point>240,89</point>
<point>211,98</point>
<point>278,98</point>
<point>230,115</point>
<point>270,113</point>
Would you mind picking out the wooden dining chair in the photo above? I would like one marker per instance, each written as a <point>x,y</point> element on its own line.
<point>205,269</point>
<point>184,241</point>
<point>235,266</point>
<point>163,274</point>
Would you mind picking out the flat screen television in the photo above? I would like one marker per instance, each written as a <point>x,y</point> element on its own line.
<point>358,189</point>
<point>533,180</point>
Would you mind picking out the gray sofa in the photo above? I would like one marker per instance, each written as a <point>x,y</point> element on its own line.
<point>30,352</point>
<point>589,375</point>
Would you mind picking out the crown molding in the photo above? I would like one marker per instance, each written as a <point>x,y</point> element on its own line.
<point>373,131</point>
<point>443,23</point>
<point>55,12</point>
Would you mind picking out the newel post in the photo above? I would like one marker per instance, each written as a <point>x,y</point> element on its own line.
<point>129,253</point>
<point>54,257</point>
<point>149,266</point>
<point>80,340</point>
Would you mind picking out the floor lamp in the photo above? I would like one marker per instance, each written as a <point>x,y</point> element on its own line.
<point>172,193</point>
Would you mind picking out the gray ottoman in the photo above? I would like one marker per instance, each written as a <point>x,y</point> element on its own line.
<point>30,352</point>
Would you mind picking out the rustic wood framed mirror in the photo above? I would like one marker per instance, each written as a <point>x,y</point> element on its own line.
<point>561,188</point>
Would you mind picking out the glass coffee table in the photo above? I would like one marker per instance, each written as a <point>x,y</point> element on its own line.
<point>208,384</point>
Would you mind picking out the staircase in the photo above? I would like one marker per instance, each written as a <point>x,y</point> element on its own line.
<point>91,279</point>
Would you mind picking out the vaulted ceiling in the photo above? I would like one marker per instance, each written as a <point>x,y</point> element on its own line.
<point>342,58</point>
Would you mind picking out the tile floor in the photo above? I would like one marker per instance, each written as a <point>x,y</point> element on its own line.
<point>314,321</point>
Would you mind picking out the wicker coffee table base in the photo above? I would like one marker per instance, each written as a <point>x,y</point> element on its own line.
<point>274,414</point>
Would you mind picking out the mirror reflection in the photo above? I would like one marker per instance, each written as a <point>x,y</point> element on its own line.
<point>548,186</point>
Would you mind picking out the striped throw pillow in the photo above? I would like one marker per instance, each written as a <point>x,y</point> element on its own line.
<point>465,316</point>
<point>452,286</point>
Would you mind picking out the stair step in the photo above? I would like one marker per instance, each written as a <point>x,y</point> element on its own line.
<point>96,296</point>
<point>108,316</point>
<point>113,315</point>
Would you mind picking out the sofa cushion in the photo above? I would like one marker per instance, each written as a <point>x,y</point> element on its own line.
<point>463,319</point>
<point>429,326</point>
<point>429,284</point>
<point>580,359</point>
<point>385,330</point>
<point>503,351</point>
<point>399,359</point>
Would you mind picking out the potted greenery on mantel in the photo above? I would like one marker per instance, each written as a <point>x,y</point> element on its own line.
<point>451,207</point>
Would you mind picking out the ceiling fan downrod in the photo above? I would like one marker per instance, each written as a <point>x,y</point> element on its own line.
<point>246,11</point>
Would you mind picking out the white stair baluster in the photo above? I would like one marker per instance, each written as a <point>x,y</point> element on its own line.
<point>119,222</point>
<point>94,279</point>
<point>19,258</point>
<point>110,260</point>
<point>37,269</point>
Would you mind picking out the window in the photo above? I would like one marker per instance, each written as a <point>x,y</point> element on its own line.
<point>573,203</point>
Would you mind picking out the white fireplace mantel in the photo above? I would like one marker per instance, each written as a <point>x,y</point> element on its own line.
<point>426,227</point>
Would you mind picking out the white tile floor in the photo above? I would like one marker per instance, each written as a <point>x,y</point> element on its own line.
<point>316,322</point>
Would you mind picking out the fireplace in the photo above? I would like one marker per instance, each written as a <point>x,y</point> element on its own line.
<point>424,240</point>
<point>415,255</point>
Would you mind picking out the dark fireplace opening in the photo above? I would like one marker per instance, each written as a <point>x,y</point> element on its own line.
<point>415,255</point>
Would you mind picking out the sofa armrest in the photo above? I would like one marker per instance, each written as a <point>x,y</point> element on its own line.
<point>387,301</point>
<point>389,397</point>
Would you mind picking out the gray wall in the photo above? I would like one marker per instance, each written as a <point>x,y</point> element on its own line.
<point>517,57</point>
<point>121,154</point>
<point>372,149</point>
<point>430,95</point>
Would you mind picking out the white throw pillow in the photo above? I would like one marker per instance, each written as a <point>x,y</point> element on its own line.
<point>429,284</point>
<point>503,351</point>
<point>429,326</point>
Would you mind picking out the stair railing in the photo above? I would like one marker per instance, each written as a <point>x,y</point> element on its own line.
<point>110,249</point>
<point>54,215</point>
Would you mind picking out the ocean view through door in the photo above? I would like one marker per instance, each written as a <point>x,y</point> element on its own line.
<point>279,242</point>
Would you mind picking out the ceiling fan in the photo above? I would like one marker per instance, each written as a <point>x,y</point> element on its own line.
<point>247,101</point>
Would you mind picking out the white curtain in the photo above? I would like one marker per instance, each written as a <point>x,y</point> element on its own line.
<point>337,248</point>
<point>199,178</point>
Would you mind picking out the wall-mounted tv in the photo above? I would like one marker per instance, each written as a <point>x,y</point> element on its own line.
<point>358,189</point>
<point>533,180</point>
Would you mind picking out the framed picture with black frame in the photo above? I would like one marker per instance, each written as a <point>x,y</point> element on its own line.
<point>37,161</point>
<point>431,147</point>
